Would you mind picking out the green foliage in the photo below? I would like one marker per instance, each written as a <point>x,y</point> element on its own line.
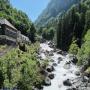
<point>18,18</point>
<point>20,69</point>
<point>74,23</point>
<point>31,33</point>
<point>84,52</point>
<point>48,33</point>
<point>73,48</point>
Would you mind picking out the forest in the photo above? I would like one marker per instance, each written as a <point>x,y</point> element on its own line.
<point>66,28</point>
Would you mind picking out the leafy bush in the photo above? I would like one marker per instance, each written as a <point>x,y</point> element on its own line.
<point>84,52</point>
<point>20,69</point>
<point>73,48</point>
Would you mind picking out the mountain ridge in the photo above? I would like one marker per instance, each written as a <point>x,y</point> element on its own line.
<point>53,9</point>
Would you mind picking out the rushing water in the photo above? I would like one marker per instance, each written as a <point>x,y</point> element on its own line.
<point>60,72</point>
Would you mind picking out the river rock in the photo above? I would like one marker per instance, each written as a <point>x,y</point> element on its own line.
<point>47,81</point>
<point>85,79</point>
<point>59,60</point>
<point>51,53</point>
<point>52,60</point>
<point>42,40</point>
<point>50,68</point>
<point>54,64</point>
<point>64,53</point>
<point>44,72</point>
<point>66,66</point>
<point>72,89</point>
<point>67,82</point>
<point>74,60</point>
<point>77,73</point>
<point>51,76</point>
<point>59,51</point>
<point>55,50</point>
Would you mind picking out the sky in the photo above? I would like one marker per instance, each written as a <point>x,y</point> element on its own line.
<point>32,8</point>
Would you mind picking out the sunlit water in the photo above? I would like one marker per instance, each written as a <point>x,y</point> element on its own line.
<point>61,74</point>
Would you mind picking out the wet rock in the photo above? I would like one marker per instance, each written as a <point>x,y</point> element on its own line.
<point>38,87</point>
<point>77,73</point>
<point>55,50</point>
<point>44,72</point>
<point>67,82</point>
<point>47,81</point>
<point>59,51</point>
<point>51,54</point>
<point>67,66</point>
<point>64,53</point>
<point>54,64</point>
<point>50,68</point>
<point>74,60</point>
<point>52,60</point>
<point>72,89</point>
<point>51,45</point>
<point>42,40</point>
<point>59,60</point>
<point>51,76</point>
<point>85,79</point>
<point>64,74</point>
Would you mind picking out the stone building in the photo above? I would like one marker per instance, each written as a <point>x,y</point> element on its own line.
<point>9,34</point>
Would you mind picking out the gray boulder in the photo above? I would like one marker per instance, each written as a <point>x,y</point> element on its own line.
<point>67,82</point>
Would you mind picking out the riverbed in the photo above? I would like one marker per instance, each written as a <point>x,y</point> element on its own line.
<point>61,72</point>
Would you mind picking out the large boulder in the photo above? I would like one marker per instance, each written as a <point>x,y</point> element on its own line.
<point>67,82</point>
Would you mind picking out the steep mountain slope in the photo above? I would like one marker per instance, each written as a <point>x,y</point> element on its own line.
<point>53,9</point>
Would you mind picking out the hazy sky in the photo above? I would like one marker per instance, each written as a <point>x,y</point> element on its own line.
<point>32,8</point>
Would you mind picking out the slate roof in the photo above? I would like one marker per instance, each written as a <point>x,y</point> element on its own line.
<point>5,22</point>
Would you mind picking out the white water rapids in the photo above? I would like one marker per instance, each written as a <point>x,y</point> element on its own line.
<point>60,72</point>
